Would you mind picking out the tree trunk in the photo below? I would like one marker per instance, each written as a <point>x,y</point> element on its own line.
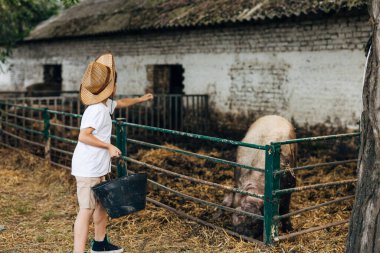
<point>364,228</point>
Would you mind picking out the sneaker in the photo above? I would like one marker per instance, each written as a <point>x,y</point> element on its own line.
<point>105,246</point>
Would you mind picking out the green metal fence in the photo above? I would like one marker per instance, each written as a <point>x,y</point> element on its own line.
<point>272,179</point>
<point>37,131</point>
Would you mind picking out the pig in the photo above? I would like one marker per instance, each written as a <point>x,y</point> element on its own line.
<point>263,131</point>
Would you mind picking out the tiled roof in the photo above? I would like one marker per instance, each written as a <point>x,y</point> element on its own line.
<point>91,17</point>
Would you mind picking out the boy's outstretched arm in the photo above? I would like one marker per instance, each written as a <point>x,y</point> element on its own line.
<point>125,102</point>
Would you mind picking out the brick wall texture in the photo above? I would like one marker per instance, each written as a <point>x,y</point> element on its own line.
<point>308,70</point>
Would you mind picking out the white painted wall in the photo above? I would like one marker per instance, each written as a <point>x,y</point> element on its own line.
<point>5,77</point>
<point>311,87</point>
<point>314,87</point>
<point>310,70</point>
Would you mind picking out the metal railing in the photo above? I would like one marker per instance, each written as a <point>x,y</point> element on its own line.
<point>273,192</point>
<point>188,113</point>
<point>37,131</point>
<point>36,93</point>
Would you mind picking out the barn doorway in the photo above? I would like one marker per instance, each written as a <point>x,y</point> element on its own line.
<point>167,79</point>
<point>166,82</point>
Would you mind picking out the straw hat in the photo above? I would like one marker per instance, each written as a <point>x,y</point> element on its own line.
<point>98,81</point>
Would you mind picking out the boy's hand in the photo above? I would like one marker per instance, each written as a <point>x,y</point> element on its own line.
<point>125,102</point>
<point>146,97</point>
<point>114,151</point>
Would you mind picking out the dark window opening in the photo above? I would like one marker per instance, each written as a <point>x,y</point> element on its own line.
<point>166,79</point>
<point>53,75</point>
<point>52,82</point>
<point>176,79</point>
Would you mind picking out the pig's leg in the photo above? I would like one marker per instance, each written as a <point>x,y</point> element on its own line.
<point>287,181</point>
<point>284,209</point>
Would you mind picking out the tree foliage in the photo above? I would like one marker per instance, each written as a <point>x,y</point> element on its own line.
<point>19,17</point>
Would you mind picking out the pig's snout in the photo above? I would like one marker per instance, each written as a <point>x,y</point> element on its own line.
<point>247,225</point>
<point>237,219</point>
<point>252,229</point>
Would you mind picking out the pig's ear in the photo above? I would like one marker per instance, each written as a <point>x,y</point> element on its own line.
<point>228,200</point>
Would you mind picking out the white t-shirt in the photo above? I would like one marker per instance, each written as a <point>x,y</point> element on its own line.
<point>91,161</point>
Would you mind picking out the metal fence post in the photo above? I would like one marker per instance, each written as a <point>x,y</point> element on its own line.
<point>121,143</point>
<point>6,108</point>
<point>272,183</point>
<point>46,133</point>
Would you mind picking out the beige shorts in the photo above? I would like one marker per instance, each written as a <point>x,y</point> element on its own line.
<point>86,197</point>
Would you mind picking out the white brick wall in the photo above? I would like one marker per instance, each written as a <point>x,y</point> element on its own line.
<point>310,70</point>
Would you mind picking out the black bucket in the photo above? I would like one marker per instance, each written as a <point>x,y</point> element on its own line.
<point>122,196</point>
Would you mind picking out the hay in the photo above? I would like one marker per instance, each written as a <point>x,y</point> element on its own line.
<point>38,208</point>
<point>223,174</point>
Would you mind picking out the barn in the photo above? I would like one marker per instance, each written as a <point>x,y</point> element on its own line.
<point>300,59</point>
<point>303,60</point>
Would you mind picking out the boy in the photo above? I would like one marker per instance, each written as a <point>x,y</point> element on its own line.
<point>92,156</point>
